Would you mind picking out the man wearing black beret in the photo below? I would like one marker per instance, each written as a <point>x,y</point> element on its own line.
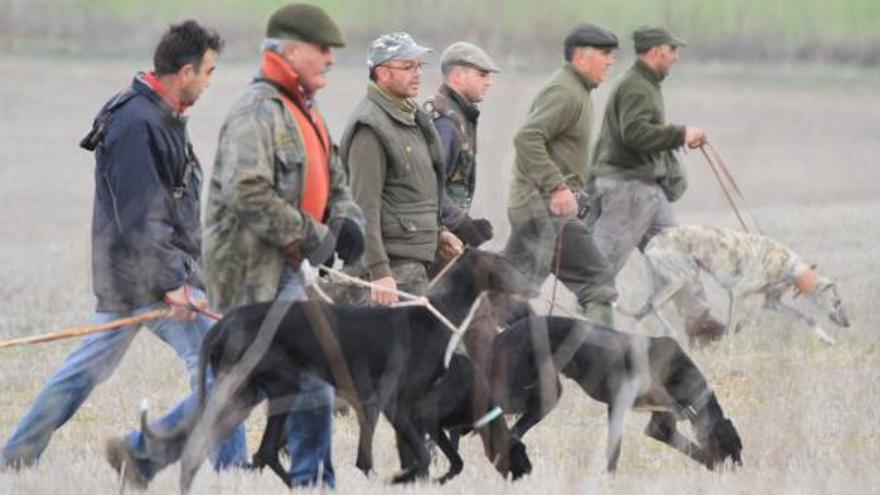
<point>552,153</point>
<point>637,174</point>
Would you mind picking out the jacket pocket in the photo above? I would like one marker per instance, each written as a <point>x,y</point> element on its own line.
<point>290,164</point>
<point>409,225</point>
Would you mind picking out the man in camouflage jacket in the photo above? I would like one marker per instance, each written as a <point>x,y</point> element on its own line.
<point>279,195</point>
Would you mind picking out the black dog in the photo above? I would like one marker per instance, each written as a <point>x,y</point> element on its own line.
<point>379,359</point>
<point>620,369</point>
<point>449,406</point>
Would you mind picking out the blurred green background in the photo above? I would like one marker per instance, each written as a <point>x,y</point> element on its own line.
<point>829,31</point>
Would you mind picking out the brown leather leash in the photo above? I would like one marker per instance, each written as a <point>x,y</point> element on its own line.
<point>558,251</point>
<point>726,181</point>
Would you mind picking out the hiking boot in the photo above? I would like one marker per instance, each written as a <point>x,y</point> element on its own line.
<point>704,330</point>
<point>123,462</point>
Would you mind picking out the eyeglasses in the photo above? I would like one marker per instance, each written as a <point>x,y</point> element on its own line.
<point>406,66</point>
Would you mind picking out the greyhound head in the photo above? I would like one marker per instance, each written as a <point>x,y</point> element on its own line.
<point>477,271</point>
<point>722,443</point>
<point>828,300</point>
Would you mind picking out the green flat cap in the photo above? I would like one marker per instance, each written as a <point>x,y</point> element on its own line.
<point>467,54</point>
<point>305,22</point>
<point>647,37</point>
<point>591,35</point>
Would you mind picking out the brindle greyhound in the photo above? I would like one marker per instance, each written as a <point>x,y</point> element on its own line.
<point>380,359</point>
<point>625,371</point>
<point>743,264</point>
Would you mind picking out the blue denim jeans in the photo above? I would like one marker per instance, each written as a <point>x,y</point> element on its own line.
<point>309,426</point>
<point>310,423</point>
<point>92,363</point>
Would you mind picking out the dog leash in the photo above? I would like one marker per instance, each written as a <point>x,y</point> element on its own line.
<point>718,169</point>
<point>414,300</point>
<point>558,253</point>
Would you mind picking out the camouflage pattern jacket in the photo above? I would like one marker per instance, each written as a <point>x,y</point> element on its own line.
<point>456,123</point>
<point>635,142</point>
<point>553,145</point>
<point>253,199</point>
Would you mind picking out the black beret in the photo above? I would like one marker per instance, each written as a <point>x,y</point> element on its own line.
<point>305,22</point>
<point>591,35</point>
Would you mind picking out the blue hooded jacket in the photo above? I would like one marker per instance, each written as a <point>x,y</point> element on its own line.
<point>146,232</point>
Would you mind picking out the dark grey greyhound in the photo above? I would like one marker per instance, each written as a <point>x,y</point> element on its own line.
<point>625,371</point>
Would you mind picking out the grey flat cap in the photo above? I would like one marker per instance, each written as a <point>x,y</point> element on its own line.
<point>394,46</point>
<point>647,37</point>
<point>468,54</point>
<point>591,35</point>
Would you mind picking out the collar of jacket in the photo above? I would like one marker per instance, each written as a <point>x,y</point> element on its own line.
<point>647,72</point>
<point>468,109</point>
<point>277,70</point>
<point>402,110</point>
<point>578,76</point>
<point>142,86</point>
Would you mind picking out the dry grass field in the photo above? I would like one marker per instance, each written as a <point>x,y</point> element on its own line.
<point>802,141</point>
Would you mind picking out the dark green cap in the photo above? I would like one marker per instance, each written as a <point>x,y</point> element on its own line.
<point>591,35</point>
<point>305,22</point>
<point>647,37</point>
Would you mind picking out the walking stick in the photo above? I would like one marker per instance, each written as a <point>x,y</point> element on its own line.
<point>87,330</point>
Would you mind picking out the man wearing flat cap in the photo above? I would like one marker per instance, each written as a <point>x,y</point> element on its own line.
<point>278,195</point>
<point>552,153</point>
<point>392,153</point>
<point>636,173</point>
<point>467,75</point>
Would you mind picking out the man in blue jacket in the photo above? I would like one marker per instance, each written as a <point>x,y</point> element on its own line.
<point>146,238</point>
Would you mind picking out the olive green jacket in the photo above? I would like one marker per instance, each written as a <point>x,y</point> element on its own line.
<point>253,200</point>
<point>391,151</point>
<point>635,142</point>
<point>552,147</point>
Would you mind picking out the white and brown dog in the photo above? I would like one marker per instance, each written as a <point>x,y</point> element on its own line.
<point>743,264</point>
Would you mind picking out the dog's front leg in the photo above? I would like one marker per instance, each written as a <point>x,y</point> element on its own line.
<point>808,320</point>
<point>406,432</point>
<point>450,451</point>
<point>662,428</point>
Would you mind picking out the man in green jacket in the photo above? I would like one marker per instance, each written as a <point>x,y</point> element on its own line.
<point>552,149</point>
<point>636,173</point>
<point>392,153</point>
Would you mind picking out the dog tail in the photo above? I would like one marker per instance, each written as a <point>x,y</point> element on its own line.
<point>181,430</point>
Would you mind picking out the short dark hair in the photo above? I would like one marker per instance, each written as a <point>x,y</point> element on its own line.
<point>372,73</point>
<point>569,52</point>
<point>184,43</point>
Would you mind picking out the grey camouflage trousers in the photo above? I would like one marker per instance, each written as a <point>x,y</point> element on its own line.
<point>532,244</point>
<point>631,212</point>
